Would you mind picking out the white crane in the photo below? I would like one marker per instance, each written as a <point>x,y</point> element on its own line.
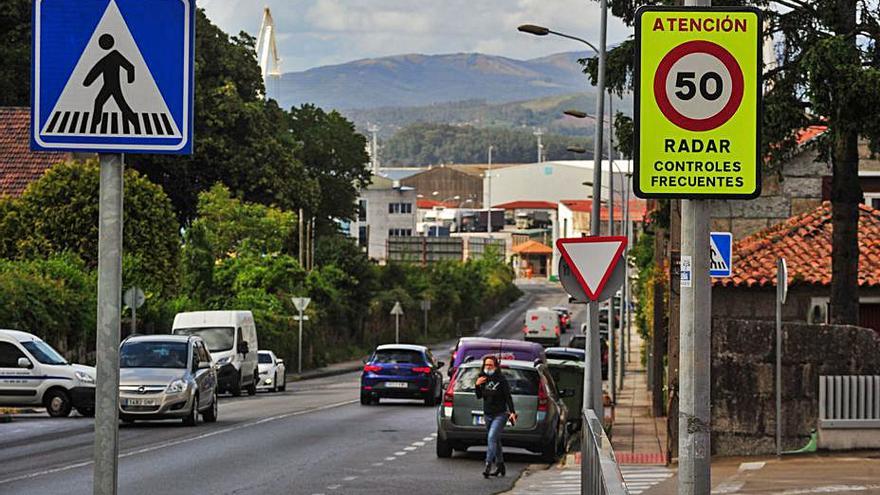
<point>267,52</point>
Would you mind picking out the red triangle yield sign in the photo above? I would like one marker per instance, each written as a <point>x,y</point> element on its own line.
<point>592,259</point>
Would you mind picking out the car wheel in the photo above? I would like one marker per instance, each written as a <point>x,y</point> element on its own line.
<point>366,400</point>
<point>252,388</point>
<point>283,386</point>
<point>274,384</point>
<point>431,401</point>
<point>57,403</point>
<point>444,448</point>
<point>88,412</point>
<point>193,417</point>
<point>235,389</point>
<point>210,416</point>
<point>548,450</point>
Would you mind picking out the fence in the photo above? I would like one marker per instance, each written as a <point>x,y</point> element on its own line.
<point>849,401</point>
<point>600,472</point>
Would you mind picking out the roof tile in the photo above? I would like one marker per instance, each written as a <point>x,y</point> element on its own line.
<point>19,166</point>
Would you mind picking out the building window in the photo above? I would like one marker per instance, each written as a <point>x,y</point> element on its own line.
<point>362,210</point>
<point>399,232</point>
<point>399,208</point>
<point>363,236</point>
<point>872,199</point>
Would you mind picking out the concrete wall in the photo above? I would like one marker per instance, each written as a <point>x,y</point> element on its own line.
<point>448,183</point>
<point>743,394</point>
<point>798,190</point>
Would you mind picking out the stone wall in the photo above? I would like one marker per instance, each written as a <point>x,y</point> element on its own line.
<point>798,190</point>
<point>743,394</point>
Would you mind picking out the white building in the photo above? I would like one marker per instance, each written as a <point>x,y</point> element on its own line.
<point>385,209</point>
<point>552,181</point>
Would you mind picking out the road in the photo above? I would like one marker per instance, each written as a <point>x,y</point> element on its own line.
<point>313,439</point>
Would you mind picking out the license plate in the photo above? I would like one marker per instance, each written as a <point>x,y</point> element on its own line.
<point>479,420</point>
<point>396,384</point>
<point>140,402</point>
<point>533,331</point>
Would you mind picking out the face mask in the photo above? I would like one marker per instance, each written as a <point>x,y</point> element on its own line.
<point>489,371</point>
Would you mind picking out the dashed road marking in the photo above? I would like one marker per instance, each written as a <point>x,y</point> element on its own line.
<point>419,444</point>
<point>390,458</point>
<point>377,464</point>
<point>428,439</point>
<point>410,448</point>
<point>401,453</point>
<point>349,478</point>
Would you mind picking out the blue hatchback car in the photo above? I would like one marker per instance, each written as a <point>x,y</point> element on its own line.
<point>401,371</point>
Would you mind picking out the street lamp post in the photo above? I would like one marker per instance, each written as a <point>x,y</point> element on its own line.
<point>593,372</point>
<point>489,191</point>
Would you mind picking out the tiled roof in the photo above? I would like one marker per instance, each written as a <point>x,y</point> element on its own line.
<point>637,208</point>
<point>527,205</point>
<point>532,247</point>
<point>427,204</point>
<point>805,243</point>
<point>19,166</point>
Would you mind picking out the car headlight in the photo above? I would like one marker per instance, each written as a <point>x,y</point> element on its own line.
<point>176,387</point>
<point>223,361</point>
<point>85,377</point>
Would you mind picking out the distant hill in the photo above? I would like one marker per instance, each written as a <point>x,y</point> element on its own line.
<point>423,80</point>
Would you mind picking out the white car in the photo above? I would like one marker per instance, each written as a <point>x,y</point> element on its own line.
<point>271,371</point>
<point>33,374</point>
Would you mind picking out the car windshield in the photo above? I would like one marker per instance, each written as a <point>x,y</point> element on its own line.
<point>398,356</point>
<point>522,381</point>
<point>574,356</point>
<point>578,342</point>
<point>218,339</point>
<point>264,358</point>
<point>153,355</point>
<point>43,352</point>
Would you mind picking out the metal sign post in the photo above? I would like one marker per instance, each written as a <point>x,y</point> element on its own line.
<point>300,303</point>
<point>426,306</point>
<point>697,128</point>
<point>781,293</point>
<point>134,298</point>
<point>397,312</point>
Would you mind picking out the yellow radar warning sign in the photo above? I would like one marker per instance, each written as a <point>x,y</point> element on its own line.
<point>698,97</point>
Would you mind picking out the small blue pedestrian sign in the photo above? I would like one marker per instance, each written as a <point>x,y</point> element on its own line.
<point>112,76</point>
<point>722,254</point>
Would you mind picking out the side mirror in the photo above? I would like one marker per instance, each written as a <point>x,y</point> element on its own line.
<point>440,364</point>
<point>203,365</point>
<point>279,361</point>
<point>24,363</point>
<point>243,347</point>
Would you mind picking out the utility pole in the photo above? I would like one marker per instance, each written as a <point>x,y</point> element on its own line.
<point>301,239</point>
<point>489,190</point>
<point>539,133</point>
<point>374,148</point>
<point>110,223</point>
<point>624,299</point>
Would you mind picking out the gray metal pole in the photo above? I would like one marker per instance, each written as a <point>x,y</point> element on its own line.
<point>299,359</point>
<point>134,318</point>
<point>426,323</point>
<point>396,329</point>
<point>624,293</point>
<point>109,315</point>
<point>779,289</point>
<point>694,422</point>
<point>488,194</point>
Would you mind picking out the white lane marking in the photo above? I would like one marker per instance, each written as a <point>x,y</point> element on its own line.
<point>179,442</point>
<point>433,434</point>
<point>410,448</point>
<point>334,487</point>
<point>827,489</point>
<point>729,486</point>
<point>418,444</point>
<point>401,453</point>
<point>428,439</point>
<point>390,458</point>
<point>349,478</point>
<point>751,466</point>
<point>377,464</point>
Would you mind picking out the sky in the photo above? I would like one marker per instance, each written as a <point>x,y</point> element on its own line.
<point>312,33</point>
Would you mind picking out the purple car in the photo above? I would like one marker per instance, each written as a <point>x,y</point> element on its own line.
<point>470,348</point>
<point>401,371</point>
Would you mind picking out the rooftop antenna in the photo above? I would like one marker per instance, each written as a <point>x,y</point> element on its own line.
<point>267,52</point>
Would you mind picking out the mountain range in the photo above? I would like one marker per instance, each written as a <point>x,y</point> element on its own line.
<point>423,80</point>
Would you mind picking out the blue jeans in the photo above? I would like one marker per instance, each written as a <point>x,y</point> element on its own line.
<point>495,426</point>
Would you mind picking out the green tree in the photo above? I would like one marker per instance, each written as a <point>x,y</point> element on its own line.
<point>827,73</point>
<point>240,140</point>
<point>334,154</point>
<point>59,213</point>
<point>15,52</point>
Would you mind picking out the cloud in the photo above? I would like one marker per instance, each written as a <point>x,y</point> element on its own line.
<point>317,32</point>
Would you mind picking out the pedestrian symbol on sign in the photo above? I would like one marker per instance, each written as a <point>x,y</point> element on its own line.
<point>108,68</point>
<point>721,244</point>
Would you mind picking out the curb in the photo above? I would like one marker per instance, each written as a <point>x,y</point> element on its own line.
<point>324,373</point>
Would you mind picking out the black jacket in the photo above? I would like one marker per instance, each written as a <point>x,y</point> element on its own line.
<point>495,394</point>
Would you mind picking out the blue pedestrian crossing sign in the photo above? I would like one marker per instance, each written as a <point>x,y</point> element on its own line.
<point>722,254</point>
<point>112,76</point>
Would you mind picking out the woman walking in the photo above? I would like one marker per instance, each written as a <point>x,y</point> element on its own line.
<point>494,390</point>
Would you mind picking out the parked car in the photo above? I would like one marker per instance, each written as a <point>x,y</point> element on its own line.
<point>401,371</point>
<point>33,374</point>
<point>565,317</point>
<point>568,374</point>
<point>541,425</point>
<point>542,326</point>
<point>272,371</point>
<point>166,377</point>
<point>475,348</point>
<point>231,337</point>
<point>566,354</point>
<point>580,342</point>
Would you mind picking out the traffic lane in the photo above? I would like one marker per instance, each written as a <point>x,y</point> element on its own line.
<point>63,447</point>
<point>348,449</point>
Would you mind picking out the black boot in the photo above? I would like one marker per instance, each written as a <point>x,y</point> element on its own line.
<point>500,470</point>
<point>488,471</point>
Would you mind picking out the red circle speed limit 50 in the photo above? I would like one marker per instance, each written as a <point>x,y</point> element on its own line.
<point>698,85</point>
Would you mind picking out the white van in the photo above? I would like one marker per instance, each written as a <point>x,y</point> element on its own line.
<point>542,326</point>
<point>231,337</point>
<point>33,374</point>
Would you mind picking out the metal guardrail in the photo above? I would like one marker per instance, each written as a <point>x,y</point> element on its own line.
<point>600,472</point>
<point>850,401</point>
